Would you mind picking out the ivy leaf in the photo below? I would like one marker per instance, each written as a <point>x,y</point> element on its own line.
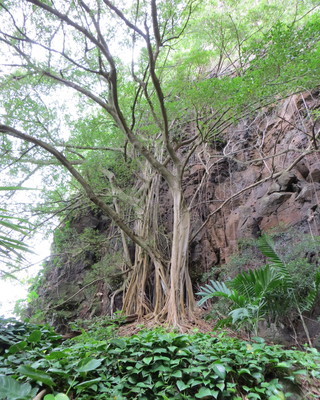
<point>220,370</point>
<point>35,337</point>
<point>90,365</point>
<point>204,392</point>
<point>181,385</point>
<point>147,360</point>
<point>61,396</point>
<point>89,383</point>
<point>13,390</point>
<point>15,348</point>
<point>36,375</point>
<point>56,355</point>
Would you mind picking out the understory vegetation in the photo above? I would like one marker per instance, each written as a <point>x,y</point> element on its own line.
<point>153,364</point>
<point>274,292</point>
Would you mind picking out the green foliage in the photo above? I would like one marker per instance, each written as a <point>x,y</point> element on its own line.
<point>12,250</point>
<point>13,390</point>
<point>153,365</point>
<point>267,291</point>
<point>249,52</point>
<point>98,328</point>
<point>59,396</point>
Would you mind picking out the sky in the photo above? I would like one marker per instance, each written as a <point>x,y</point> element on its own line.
<point>13,290</point>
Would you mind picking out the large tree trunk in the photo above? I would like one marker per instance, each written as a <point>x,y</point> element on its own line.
<point>145,292</point>
<point>156,288</point>
<point>180,297</point>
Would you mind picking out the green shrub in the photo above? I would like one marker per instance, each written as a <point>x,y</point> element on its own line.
<point>153,365</point>
<point>269,292</point>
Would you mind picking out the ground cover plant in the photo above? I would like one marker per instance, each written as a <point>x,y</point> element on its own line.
<point>154,364</point>
<point>108,103</point>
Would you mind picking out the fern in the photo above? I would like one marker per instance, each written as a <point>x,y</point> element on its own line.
<point>255,294</point>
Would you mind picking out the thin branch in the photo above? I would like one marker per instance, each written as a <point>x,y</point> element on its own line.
<point>124,19</point>
<point>86,186</point>
<point>271,176</point>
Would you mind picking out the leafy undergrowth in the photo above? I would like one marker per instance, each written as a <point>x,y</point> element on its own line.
<point>150,365</point>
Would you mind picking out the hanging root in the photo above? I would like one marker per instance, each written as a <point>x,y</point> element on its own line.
<point>40,395</point>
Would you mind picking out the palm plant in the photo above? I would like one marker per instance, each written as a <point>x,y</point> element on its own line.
<point>11,249</point>
<point>257,294</point>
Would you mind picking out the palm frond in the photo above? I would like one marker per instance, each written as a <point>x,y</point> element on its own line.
<point>257,283</point>
<point>11,249</point>
<point>309,301</point>
<point>213,289</point>
<point>267,248</point>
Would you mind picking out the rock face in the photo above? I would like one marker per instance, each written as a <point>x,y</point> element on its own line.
<point>265,146</point>
<point>73,283</point>
<point>261,176</point>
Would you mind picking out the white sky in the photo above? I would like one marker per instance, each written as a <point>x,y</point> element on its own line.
<point>12,290</point>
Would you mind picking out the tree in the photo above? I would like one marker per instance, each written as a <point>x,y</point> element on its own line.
<point>144,109</point>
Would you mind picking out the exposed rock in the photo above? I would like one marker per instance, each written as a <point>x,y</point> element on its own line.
<point>308,192</point>
<point>285,183</point>
<point>270,204</point>
<point>314,173</point>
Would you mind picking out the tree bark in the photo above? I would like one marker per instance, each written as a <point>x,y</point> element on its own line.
<point>180,299</point>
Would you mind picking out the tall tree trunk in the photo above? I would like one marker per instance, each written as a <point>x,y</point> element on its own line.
<point>148,281</point>
<point>180,298</point>
<point>156,288</point>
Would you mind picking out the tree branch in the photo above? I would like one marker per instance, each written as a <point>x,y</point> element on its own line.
<point>85,185</point>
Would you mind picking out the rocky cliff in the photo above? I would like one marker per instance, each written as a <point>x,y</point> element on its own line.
<point>273,143</point>
<point>260,175</point>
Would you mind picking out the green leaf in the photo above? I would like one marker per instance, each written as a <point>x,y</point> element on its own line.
<point>221,386</point>
<point>220,370</point>
<point>90,365</point>
<point>118,343</point>
<point>88,383</point>
<point>301,372</point>
<point>204,392</point>
<point>181,385</point>
<point>284,364</point>
<point>61,396</point>
<point>56,355</point>
<point>244,371</point>
<point>13,390</point>
<point>15,348</point>
<point>36,375</point>
<point>49,397</point>
<point>278,396</point>
<point>35,337</point>
<point>253,396</point>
